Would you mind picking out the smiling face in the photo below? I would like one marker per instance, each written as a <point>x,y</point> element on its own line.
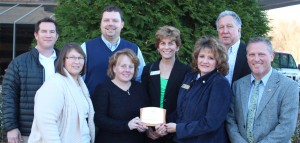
<point>124,69</point>
<point>206,61</point>
<point>228,31</point>
<point>167,48</point>
<point>111,25</point>
<point>259,59</point>
<point>74,62</point>
<point>46,36</point>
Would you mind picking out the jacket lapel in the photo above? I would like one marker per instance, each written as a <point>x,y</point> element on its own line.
<point>245,92</point>
<point>171,81</point>
<point>239,61</point>
<point>270,89</point>
<point>155,83</point>
<point>72,85</point>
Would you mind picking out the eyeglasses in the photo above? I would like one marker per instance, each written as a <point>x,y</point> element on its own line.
<point>75,58</point>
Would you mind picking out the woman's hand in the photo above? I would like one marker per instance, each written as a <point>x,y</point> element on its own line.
<point>171,127</point>
<point>161,130</point>
<point>152,134</point>
<point>136,123</point>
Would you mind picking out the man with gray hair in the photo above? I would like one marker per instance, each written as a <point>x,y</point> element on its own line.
<point>229,27</point>
<point>264,107</point>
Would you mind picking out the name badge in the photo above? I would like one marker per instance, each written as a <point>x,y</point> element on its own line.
<point>185,86</point>
<point>155,72</point>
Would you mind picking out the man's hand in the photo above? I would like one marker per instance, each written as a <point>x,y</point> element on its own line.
<point>14,136</point>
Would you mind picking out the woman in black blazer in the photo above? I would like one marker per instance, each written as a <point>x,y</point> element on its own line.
<point>163,78</point>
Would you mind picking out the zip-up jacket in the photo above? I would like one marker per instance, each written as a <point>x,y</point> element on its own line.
<point>23,77</point>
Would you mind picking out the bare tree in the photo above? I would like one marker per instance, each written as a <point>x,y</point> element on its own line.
<point>286,37</point>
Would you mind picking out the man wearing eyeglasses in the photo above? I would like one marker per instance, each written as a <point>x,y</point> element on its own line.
<point>23,77</point>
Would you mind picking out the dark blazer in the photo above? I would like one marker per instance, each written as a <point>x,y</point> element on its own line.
<point>202,108</point>
<point>152,84</point>
<point>241,67</point>
<point>276,115</point>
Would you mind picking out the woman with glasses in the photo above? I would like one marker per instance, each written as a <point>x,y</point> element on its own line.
<point>63,111</point>
<point>117,102</point>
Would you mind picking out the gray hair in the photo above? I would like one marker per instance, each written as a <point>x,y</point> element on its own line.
<point>264,40</point>
<point>236,17</point>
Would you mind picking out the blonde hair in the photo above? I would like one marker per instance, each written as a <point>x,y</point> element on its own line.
<point>114,58</point>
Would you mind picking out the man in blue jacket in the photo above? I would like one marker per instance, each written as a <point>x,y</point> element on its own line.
<point>23,77</point>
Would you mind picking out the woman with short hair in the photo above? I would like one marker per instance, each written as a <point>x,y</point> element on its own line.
<point>117,102</point>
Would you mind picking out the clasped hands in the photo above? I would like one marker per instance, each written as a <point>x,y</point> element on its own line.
<point>136,123</point>
<point>161,130</point>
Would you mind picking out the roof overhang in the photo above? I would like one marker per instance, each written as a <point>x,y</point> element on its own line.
<point>272,4</point>
<point>25,13</point>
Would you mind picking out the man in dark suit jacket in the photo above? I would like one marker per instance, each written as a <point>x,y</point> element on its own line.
<point>272,116</point>
<point>229,30</point>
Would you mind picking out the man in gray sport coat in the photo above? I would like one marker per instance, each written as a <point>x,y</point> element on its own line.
<point>276,111</point>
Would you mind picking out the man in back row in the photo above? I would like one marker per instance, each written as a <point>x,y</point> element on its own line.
<point>98,50</point>
<point>23,77</point>
<point>229,26</point>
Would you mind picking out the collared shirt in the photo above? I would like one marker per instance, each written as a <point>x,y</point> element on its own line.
<point>261,87</point>
<point>48,64</point>
<point>113,47</point>
<point>232,53</point>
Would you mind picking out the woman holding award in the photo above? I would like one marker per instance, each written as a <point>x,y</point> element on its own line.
<point>163,78</point>
<point>117,102</point>
<point>204,97</point>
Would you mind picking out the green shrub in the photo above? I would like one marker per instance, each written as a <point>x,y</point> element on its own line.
<point>79,20</point>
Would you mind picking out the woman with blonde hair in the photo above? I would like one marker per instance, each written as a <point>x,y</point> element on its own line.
<point>117,102</point>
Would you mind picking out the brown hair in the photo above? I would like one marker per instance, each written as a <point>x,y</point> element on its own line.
<point>59,66</point>
<point>112,8</point>
<point>114,59</point>
<point>217,48</point>
<point>167,32</point>
<point>46,19</point>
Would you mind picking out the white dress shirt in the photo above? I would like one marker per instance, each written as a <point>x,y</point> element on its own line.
<point>48,64</point>
<point>232,53</point>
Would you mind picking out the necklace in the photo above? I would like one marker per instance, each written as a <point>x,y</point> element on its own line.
<point>122,85</point>
<point>128,92</point>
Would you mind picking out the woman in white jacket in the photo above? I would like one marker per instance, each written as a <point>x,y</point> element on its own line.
<point>63,111</point>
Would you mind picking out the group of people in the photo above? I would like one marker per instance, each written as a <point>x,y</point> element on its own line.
<point>93,92</point>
